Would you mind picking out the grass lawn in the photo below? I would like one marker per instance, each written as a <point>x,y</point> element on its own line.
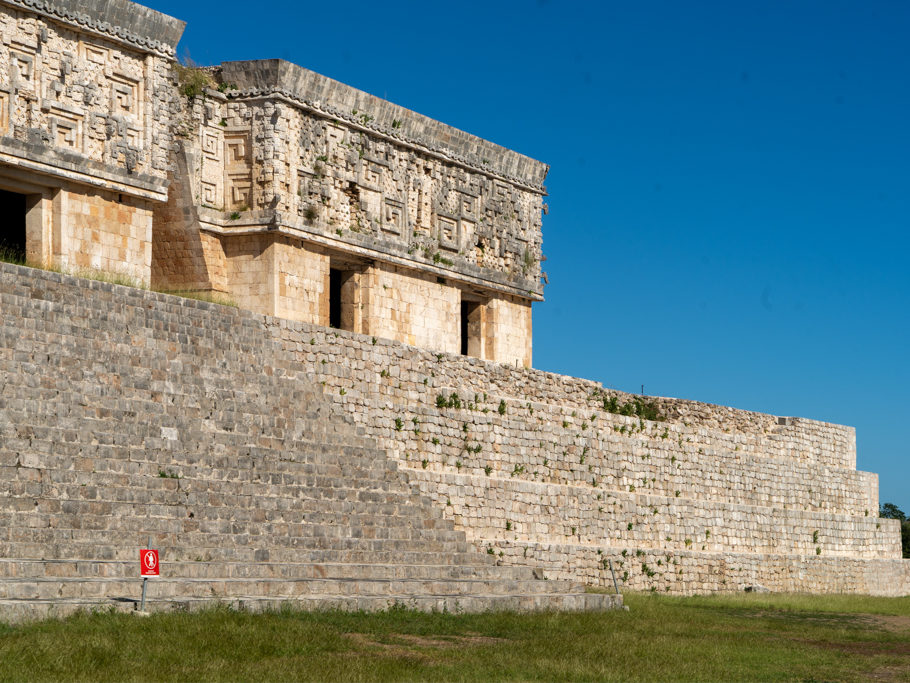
<point>716,638</point>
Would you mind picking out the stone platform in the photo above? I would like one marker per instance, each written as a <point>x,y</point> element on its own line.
<point>127,415</point>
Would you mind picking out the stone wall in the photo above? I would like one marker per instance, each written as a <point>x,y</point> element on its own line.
<point>535,469</point>
<point>131,418</point>
<point>302,275</point>
<point>102,233</point>
<point>413,307</point>
<point>530,466</point>
<point>508,331</point>
<point>85,104</point>
<point>250,270</point>
<point>70,91</point>
<point>337,163</point>
<point>180,257</point>
<point>262,152</point>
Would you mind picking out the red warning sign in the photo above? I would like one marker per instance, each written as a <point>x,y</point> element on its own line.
<point>148,563</point>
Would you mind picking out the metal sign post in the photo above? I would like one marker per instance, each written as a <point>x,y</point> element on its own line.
<point>615,585</point>
<point>148,566</point>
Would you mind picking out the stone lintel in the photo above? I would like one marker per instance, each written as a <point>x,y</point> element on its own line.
<point>59,165</point>
<point>485,279</point>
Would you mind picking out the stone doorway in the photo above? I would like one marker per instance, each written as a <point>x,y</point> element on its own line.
<point>13,208</point>
<point>344,297</point>
<point>471,328</point>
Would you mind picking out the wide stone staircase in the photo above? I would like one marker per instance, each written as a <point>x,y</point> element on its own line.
<point>130,419</point>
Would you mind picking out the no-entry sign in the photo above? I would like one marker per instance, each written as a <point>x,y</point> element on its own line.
<point>148,563</point>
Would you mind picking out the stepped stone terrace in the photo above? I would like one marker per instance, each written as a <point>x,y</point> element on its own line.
<point>365,427</point>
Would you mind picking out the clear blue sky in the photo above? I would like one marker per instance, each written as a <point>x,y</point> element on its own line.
<point>729,180</point>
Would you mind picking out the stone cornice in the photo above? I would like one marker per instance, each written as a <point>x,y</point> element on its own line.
<point>332,99</point>
<point>118,20</point>
<point>267,223</point>
<point>64,165</point>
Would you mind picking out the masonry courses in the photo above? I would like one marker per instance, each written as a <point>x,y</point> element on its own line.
<point>365,427</point>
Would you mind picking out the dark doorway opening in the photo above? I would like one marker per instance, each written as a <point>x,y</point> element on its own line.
<point>336,279</point>
<point>12,226</point>
<point>471,328</point>
<point>465,314</point>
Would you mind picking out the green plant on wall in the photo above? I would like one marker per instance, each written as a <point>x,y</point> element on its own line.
<point>638,406</point>
<point>192,80</point>
<point>451,401</point>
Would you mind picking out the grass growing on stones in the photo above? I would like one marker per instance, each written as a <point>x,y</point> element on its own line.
<point>749,638</point>
<point>10,256</point>
<point>208,297</point>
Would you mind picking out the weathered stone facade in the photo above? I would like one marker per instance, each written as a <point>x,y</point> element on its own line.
<point>291,193</point>
<point>127,415</point>
<point>535,467</point>
<point>425,223</point>
<point>415,442</point>
<point>276,460</point>
<point>86,99</point>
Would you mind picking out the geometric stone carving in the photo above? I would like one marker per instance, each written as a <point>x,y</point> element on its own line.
<point>467,206</point>
<point>371,173</point>
<point>22,68</point>
<point>238,177</point>
<point>239,190</point>
<point>236,149</point>
<point>448,231</point>
<point>211,145</point>
<point>209,194</point>
<point>95,54</point>
<point>4,112</point>
<point>394,218</point>
<point>371,204</point>
<point>125,96</point>
<point>66,130</point>
<point>133,137</point>
<point>334,138</point>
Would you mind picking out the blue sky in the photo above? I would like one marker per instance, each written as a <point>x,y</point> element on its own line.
<point>729,181</point>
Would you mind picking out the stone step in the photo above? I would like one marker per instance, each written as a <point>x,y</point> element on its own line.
<point>297,456</point>
<point>51,497</point>
<point>376,523</point>
<point>643,519</point>
<point>62,545</point>
<point>218,588</point>
<point>37,483</point>
<point>28,504</point>
<point>18,610</point>
<point>322,427</point>
<point>39,569</point>
<point>380,473</point>
<point>372,553</point>
<point>319,538</point>
<point>780,480</point>
<point>290,499</point>
<point>60,443</point>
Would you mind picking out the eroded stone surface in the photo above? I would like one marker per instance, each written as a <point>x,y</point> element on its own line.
<point>257,179</point>
<point>128,416</point>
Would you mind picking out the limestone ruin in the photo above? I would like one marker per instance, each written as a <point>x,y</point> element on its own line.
<point>293,194</point>
<point>408,455</point>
